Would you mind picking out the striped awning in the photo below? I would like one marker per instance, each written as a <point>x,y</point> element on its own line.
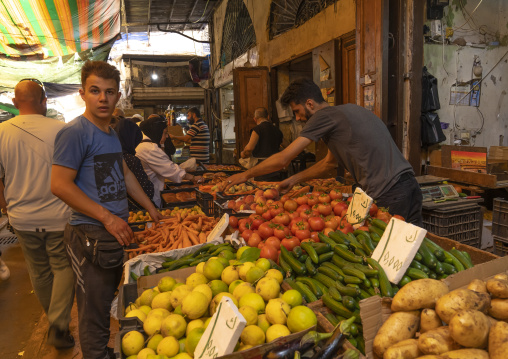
<point>46,28</point>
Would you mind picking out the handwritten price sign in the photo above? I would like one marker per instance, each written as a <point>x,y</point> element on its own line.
<point>359,208</point>
<point>223,332</point>
<point>398,247</point>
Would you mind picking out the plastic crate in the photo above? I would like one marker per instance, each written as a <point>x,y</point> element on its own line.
<point>118,340</point>
<point>206,202</point>
<point>500,218</point>
<point>462,224</point>
<point>127,294</point>
<point>191,203</point>
<point>500,246</point>
<point>219,210</point>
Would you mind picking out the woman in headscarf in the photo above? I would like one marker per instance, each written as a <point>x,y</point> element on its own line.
<point>130,137</point>
<point>156,162</point>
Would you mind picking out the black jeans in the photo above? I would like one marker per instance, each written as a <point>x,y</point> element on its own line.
<point>95,291</point>
<point>405,199</point>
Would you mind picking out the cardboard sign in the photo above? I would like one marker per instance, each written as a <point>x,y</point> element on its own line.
<point>359,208</point>
<point>223,332</point>
<point>219,228</point>
<point>398,247</point>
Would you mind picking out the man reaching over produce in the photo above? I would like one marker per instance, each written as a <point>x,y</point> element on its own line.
<point>357,140</point>
<point>90,175</point>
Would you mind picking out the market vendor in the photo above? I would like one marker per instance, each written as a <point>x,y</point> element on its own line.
<point>198,135</point>
<point>265,140</point>
<point>356,139</point>
<point>156,163</point>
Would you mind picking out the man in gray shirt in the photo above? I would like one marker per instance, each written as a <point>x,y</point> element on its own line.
<point>356,139</point>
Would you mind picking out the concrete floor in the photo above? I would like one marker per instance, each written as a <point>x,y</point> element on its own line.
<point>23,323</point>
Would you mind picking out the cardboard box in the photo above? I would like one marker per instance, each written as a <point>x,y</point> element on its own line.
<point>375,310</point>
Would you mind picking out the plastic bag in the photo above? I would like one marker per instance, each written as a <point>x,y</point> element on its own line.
<point>190,165</point>
<point>248,162</point>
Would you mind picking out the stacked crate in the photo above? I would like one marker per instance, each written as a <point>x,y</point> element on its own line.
<point>500,226</point>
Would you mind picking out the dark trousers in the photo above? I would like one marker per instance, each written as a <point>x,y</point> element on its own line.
<point>95,291</point>
<point>405,199</point>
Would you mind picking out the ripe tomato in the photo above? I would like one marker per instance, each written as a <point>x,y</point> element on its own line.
<point>269,252</point>
<point>267,216</point>
<point>284,198</point>
<point>306,214</point>
<point>261,245</point>
<point>346,228</point>
<point>299,225</point>
<point>254,240</point>
<point>324,198</point>
<point>290,205</point>
<point>349,199</point>
<point>316,193</point>
<point>326,231</point>
<point>273,242</point>
<point>281,232</point>
<point>314,236</point>
<point>302,234</point>
<point>399,217</point>
<point>303,207</point>
<point>324,208</point>
<point>302,199</point>
<point>364,228</point>
<point>383,215</point>
<point>257,222</point>
<point>295,220</point>
<point>290,243</point>
<point>334,194</point>
<point>312,200</point>
<point>331,222</point>
<point>265,230</point>
<point>339,208</point>
<point>316,223</point>
<point>275,209</point>
<point>373,210</point>
<point>247,234</point>
<point>294,214</point>
<point>261,208</point>
<point>244,224</point>
<point>233,221</point>
<point>282,218</point>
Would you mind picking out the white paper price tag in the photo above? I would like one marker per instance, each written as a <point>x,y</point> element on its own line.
<point>219,228</point>
<point>359,208</point>
<point>223,332</point>
<point>398,247</point>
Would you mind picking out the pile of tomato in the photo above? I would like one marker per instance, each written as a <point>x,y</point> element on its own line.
<point>288,221</point>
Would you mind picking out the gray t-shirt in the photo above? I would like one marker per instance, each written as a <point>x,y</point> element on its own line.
<point>361,143</point>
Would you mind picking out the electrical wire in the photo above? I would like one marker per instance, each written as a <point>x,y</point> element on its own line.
<point>204,11</point>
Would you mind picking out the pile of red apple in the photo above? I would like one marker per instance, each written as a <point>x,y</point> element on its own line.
<point>288,222</point>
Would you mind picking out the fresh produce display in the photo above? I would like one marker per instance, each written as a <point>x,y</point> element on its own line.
<point>463,323</point>
<point>241,204</point>
<point>325,259</point>
<point>175,315</point>
<point>179,197</point>
<point>222,168</point>
<point>145,216</point>
<point>174,233</point>
<point>294,192</point>
<point>326,185</point>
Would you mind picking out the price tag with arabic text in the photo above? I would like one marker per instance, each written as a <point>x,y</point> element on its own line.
<point>359,208</point>
<point>223,332</point>
<point>219,228</point>
<point>398,247</point>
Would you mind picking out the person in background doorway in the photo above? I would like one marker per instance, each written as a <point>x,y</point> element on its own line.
<point>156,163</point>
<point>198,135</point>
<point>166,143</point>
<point>136,118</point>
<point>358,140</point>
<point>130,137</point>
<point>37,216</point>
<point>90,175</point>
<point>265,140</point>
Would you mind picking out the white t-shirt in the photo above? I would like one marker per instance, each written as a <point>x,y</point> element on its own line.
<point>158,166</point>
<point>26,153</point>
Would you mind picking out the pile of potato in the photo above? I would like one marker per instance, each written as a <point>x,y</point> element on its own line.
<point>464,323</point>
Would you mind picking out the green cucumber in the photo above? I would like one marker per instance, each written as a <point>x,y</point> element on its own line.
<point>374,281</point>
<point>429,259</point>
<point>325,257</point>
<point>439,255</point>
<point>336,307</point>
<point>405,280</point>
<point>349,279</point>
<point>384,284</point>
<point>330,273</point>
<point>327,281</point>
<point>449,268</point>
<point>316,290</point>
<point>321,247</point>
<point>339,237</point>
<point>285,267</point>
<point>303,258</point>
<point>414,273</point>
<point>369,272</point>
<point>297,251</point>
<point>375,230</point>
<point>460,256</point>
<point>327,240</point>
<point>296,266</point>
<point>335,294</point>
<point>360,252</point>
<point>347,255</point>
<point>310,267</point>
<point>378,223</point>
<point>306,246</point>
<point>349,302</point>
<point>303,288</point>
<point>418,257</point>
<point>333,267</point>
<point>332,319</point>
<point>350,270</point>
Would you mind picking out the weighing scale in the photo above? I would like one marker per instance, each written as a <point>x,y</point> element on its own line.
<point>439,192</point>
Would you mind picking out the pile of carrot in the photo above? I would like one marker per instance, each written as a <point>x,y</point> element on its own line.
<point>173,233</point>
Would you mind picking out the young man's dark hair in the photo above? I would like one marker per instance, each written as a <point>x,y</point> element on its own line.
<point>100,69</point>
<point>195,111</point>
<point>261,112</point>
<point>300,90</point>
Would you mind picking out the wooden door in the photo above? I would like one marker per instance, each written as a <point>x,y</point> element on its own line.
<point>346,73</point>
<point>372,55</point>
<point>251,91</point>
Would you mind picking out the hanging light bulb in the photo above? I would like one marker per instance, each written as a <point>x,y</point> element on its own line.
<point>154,76</point>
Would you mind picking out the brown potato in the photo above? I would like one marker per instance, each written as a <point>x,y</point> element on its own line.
<point>470,328</point>
<point>429,320</point>
<point>418,294</point>
<point>399,326</point>
<point>437,341</point>
<point>461,299</point>
<point>406,349</point>
<point>499,308</point>
<point>466,353</point>
<point>498,288</point>
<point>477,285</point>
<point>502,276</point>
<point>498,341</point>
<point>430,357</point>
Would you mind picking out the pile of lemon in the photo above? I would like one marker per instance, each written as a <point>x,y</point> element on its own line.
<point>175,315</point>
